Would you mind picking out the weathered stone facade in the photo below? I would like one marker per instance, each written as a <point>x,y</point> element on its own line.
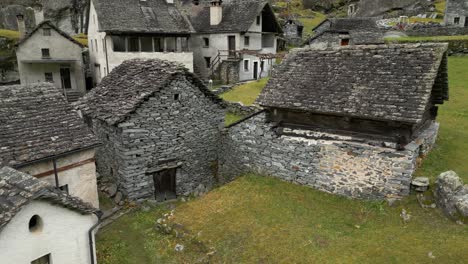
<point>328,162</point>
<point>229,71</point>
<point>163,133</point>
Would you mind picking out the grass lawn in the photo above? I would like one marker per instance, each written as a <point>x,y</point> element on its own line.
<point>231,118</point>
<point>245,93</point>
<point>263,220</point>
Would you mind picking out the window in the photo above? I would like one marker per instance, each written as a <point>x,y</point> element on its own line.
<point>171,44</point>
<point>456,20</point>
<point>35,224</point>
<point>159,44</point>
<point>206,42</point>
<point>46,32</point>
<point>45,53</point>
<point>184,43</point>
<point>258,20</point>
<point>176,97</point>
<point>42,260</point>
<point>64,188</point>
<point>344,42</point>
<point>246,65</point>
<point>268,41</point>
<point>246,41</point>
<point>49,77</point>
<point>119,43</point>
<point>146,44</point>
<point>262,66</point>
<point>133,44</point>
<point>208,62</point>
<point>96,45</point>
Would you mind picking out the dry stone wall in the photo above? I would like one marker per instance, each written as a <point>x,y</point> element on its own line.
<point>337,164</point>
<point>164,132</point>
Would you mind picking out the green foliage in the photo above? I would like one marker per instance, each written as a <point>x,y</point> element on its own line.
<point>245,93</point>
<point>231,118</point>
<point>81,38</point>
<point>9,34</point>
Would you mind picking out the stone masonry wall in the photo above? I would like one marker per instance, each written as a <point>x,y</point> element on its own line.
<point>165,133</point>
<point>336,165</point>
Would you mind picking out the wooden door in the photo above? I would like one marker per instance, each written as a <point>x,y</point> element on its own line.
<point>232,46</point>
<point>165,185</point>
<point>65,77</point>
<point>255,70</point>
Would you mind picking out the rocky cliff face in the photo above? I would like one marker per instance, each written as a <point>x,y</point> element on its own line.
<point>69,15</point>
<point>393,8</point>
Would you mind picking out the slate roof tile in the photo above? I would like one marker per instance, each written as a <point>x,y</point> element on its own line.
<point>381,82</point>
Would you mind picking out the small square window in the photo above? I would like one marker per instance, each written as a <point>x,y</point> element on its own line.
<point>64,188</point>
<point>176,97</point>
<point>45,53</point>
<point>456,20</point>
<point>42,260</point>
<point>246,65</point>
<point>258,20</point>
<point>246,41</point>
<point>208,62</point>
<point>46,32</point>
<point>49,77</point>
<point>344,42</point>
<point>206,42</point>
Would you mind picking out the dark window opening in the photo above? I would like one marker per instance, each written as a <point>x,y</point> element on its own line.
<point>176,97</point>
<point>119,43</point>
<point>246,65</point>
<point>49,77</point>
<point>262,65</point>
<point>45,53</point>
<point>258,20</point>
<point>456,20</point>
<point>344,42</point>
<point>65,77</point>
<point>46,32</point>
<point>171,44</point>
<point>35,223</point>
<point>133,44</point>
<point>159,44</point>
<point>196,2</point>
<point>184,44</point>
<point>206,42</point>
<point>246,41</point>
<point>208,62</point>
<point>42,260</point>
<point>64,188</point>
<point>146,44</point>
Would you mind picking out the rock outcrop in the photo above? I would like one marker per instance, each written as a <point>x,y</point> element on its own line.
<point>452,196</point>
<point>394,8</point>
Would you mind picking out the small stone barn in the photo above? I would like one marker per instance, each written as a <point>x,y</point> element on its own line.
<point>351,120</point>
<point>293,30</point>
<point>160,127</point>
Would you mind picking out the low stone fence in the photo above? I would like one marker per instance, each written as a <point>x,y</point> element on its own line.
<point>452,196</point>
<point>241,109</point>
<point>223,89</point>
<point>336,164</point>
<point>436,30</point>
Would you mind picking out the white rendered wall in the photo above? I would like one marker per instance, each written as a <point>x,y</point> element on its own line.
<point>64,235</point>
<point>81,180</point>
<point>60,48</point>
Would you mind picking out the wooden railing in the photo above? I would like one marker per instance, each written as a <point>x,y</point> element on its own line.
<point>223,55</point>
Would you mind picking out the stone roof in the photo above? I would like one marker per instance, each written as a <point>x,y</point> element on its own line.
<point>379,82</point>
<point>49,24</point>
<point>36,123</point>
<point>238,16</point>
<point>17,189</point>
<point>131,83</point>
<point>356,23</point>
<point>151,16</point>
<point>457,7</point>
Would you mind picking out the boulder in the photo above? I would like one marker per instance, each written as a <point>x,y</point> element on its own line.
<point>118,198</point>
<point>452,196</point>
<point>420,184</point>
<point>112,190</point>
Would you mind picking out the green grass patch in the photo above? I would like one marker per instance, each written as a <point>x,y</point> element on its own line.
<point>264,220</point>
<point>311,23</point>
<point>451,149</point>
<point>9,34</point>
<point>232,118</point>
<point>245,93</point>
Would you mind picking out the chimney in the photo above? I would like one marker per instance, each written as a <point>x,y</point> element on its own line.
<point>170,1</point>
<point>216,12</point>
<point>38,14</point>
<point>21,25</point>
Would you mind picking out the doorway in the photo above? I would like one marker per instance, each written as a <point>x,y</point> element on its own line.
<point>255,70</point>
<point>65,78</point>
<point>165,185</point>
<point>232,46</point>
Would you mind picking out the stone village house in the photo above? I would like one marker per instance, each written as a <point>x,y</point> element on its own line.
<point>48,54</point>
<point>40,224</point>
<point>456,13</point>
<point>160,126</point>
<point>352,120</point>
<point>42,136</point>
<point>293,30</point>
<point>232,40</point>
<point>335,32</point>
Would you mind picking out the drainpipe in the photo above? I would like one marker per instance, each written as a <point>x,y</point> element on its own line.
<point>54,161</point>
<point>91,237</point>
<point>107,57</point>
